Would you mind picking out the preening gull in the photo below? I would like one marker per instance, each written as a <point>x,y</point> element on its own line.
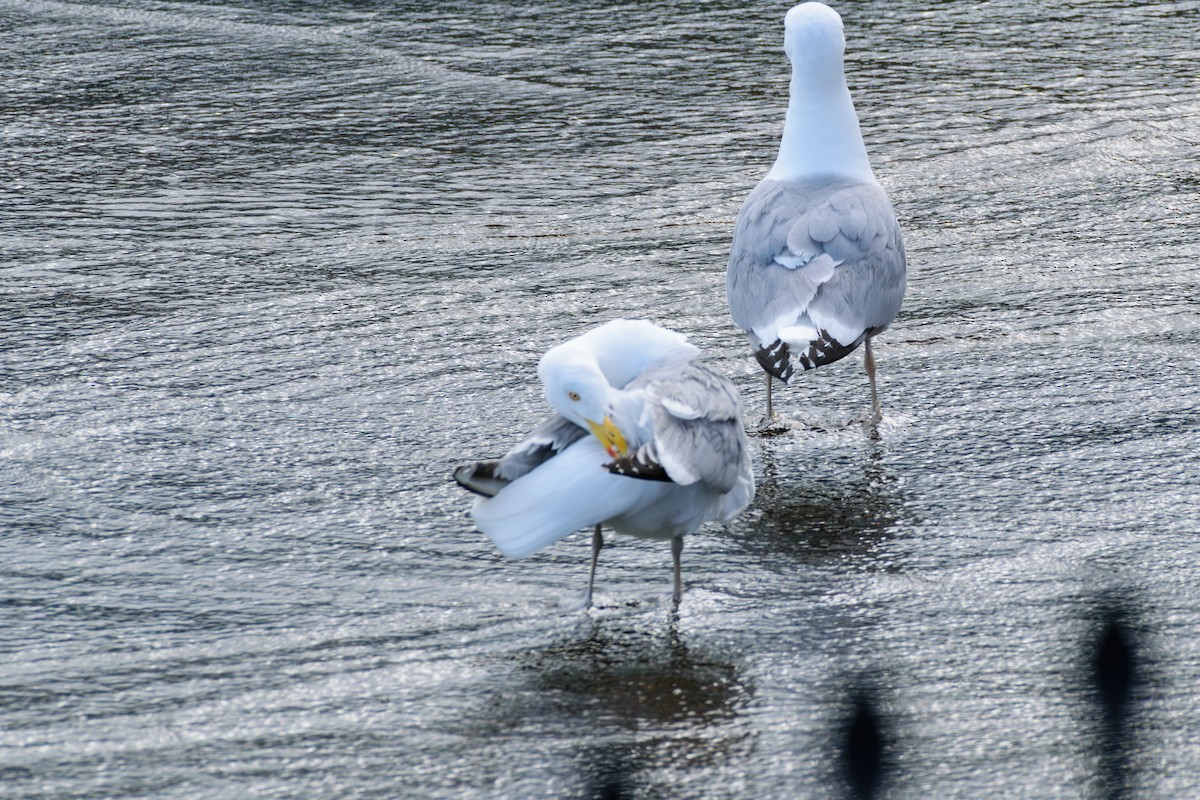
<point>817,264</point>
<point>646,440</point>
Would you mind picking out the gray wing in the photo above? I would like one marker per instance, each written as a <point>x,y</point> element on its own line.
<point>543,443</point>
<point>826,254</point>
<point>698,431</point>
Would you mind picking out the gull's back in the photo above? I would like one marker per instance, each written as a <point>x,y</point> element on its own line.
<point>818,263</point>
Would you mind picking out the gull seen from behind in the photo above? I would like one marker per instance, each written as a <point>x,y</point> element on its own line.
<point>817,265</point>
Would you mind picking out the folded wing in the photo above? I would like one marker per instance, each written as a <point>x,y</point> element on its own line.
<point>543,443</point>
<point>698,435</point>
<point>815,267</point>
<point>570,491</point>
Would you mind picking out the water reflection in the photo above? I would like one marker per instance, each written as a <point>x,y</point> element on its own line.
<point>865,740</point>
<point>646,698</point>
<point>609,770</point>
<point>630,677</point>
<point>811,514</point>
<point>259,300</point>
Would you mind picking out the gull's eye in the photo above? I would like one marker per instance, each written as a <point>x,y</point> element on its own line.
<point>574,395</point>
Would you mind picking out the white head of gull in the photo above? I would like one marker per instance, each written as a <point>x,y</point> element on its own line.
<point>817,265</point>
<point>646,440</point>
<point>821,135</point>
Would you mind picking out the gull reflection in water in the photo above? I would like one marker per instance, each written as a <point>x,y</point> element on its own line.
<point>809,513</point>
<point>648,700</point>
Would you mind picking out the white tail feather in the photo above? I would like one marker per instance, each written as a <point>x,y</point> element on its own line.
<point>568,492</point>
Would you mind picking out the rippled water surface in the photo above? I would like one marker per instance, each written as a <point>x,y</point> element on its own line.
<point>270,269</point>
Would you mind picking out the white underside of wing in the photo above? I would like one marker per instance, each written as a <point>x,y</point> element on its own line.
<point>796,335</point>
<point>841,330</point>
<point>569,492</point>
<point>805,327</point>
<point>735,500</point>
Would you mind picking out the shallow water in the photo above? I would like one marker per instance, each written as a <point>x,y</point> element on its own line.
<point>270,269</point>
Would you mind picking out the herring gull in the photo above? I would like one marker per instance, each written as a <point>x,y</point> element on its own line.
<point>817,263</point>
<point>645,440</point>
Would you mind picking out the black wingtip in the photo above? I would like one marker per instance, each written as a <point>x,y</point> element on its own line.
<point>479,477</point>
<point>635,466</point>
<point>776,359</point>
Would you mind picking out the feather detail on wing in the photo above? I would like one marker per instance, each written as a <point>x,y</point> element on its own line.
<point>543,443</point>
<point>642,463</point>
<point>815,266</point>
<point>698,435</point>
<point>573,490</point>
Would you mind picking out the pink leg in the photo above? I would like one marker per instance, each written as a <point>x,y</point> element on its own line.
<point>597,543</point>
<point>869,363</point>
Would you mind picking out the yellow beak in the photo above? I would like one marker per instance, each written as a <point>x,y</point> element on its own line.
<point>610,436</point>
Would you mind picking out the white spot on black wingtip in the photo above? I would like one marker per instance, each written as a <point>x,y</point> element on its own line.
<point>633,467</point>
<point>778,359</point>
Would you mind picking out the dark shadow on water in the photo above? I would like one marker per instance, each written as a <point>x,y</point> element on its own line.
<point>635,700</point>
<point>1114,677</point>
<point>830,510</point>
<point>632,678</point>
<point>864,740</point>
<point>609,770</point>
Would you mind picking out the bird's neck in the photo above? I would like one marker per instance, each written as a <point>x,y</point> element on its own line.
<point>820,133</point>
